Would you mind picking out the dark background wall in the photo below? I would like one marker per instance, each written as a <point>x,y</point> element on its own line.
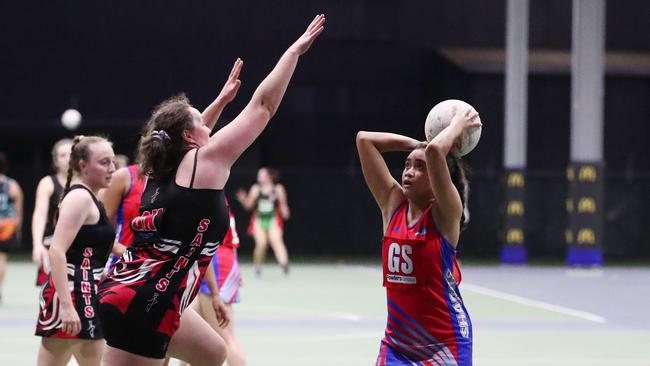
<point>376,67</point>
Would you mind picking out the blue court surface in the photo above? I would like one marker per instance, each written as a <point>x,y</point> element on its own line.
<point>334,314</point>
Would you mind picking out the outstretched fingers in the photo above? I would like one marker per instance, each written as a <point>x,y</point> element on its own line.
<point>318,21</point>
<point>236,69</point>
<point>316,26</point>
<point>314,29</point>
<point>231,87</point>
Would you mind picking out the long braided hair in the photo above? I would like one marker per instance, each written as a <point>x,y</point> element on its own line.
<point>458,171</point>
<point>80,150</point>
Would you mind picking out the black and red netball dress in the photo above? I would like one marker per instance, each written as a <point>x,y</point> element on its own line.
<point>176,235</point>
<point>85,263</point>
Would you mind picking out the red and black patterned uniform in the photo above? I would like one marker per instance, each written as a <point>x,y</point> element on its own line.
<point>44,268</point>
<point>85,264</point>
<point>176,235</point>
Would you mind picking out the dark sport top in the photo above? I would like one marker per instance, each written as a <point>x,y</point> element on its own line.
<point>7,204</point>
<point>266,203</point>
<point>176,234</point>
<point>51,208</point>
<point>85,258</point>
<point>99,237</point>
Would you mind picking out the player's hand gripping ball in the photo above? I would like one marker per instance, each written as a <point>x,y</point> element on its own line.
<point>440,117</point>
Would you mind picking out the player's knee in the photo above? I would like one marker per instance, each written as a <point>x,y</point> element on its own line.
<point>212,353</point>
<point>218,354</point>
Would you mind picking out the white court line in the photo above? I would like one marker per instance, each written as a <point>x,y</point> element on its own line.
<point>585,272</point>
<point>619,361</point>
<point>312,337</point>
<point>346,316</point>
<point>534,303</point>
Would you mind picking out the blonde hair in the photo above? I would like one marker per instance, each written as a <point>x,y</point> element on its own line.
<point>80,150</point>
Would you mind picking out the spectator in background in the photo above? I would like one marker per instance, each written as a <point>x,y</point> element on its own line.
<point>268,200</point>
<point>11,215</point>
<point>48,195</point>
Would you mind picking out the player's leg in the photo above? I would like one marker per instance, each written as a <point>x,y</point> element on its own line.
<point>276,239</point>
<point>236,355</point>
<point>261,245</point>
<point>196,342</point>
<point>54,352</point>
<point>116,357</point>
<point>196,305</point>
<point>88,352</point>
<point>3,269</point>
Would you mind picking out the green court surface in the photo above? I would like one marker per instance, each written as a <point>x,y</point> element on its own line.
<point>334,314</point>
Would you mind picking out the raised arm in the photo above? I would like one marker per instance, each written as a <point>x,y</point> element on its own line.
<point>449,207</point>
<point>211,114</point>
<point>230,142</point>
<point>283,202</point>
<point>74,210</point>
<point>39,218</point>
<point>247,200</point>
<point>384,188</point>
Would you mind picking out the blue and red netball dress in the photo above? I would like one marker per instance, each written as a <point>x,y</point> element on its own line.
<point>130,206</point>
<point>86,257</point>
<point>128,209</point>
<point>427,320</point>
<point>226,266</point>
<point>44,268</point>
<point>176,235</point>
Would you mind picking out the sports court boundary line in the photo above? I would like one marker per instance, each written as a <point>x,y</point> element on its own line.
<point>534,303</point>
<point>346,316</point>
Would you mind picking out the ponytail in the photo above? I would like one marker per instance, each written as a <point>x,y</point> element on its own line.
<point>161,145</point>
<point>80,150</point>
<point>457,170</point>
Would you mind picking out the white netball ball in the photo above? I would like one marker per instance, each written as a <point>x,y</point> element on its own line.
<point>440,117</point>
<point>71,119</point>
